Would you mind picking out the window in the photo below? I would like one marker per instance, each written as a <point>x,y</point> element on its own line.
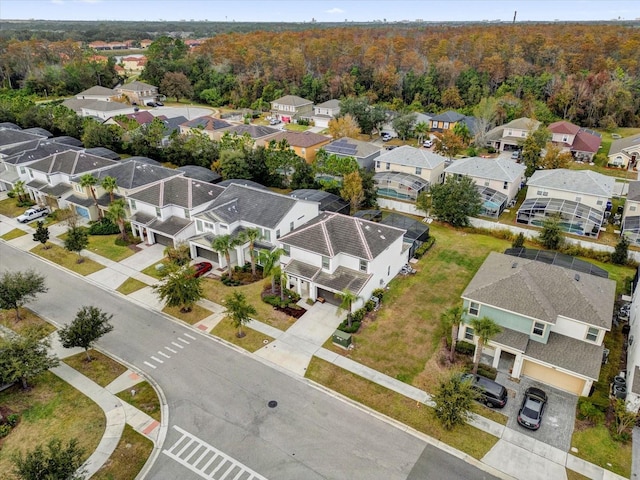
<point>599,202</point>
<point>199,225</point>
<point>474,308</point>
<point>418,171</point>
<point>468,333</point>
<point>538,329</point>
<point>510,133</point>
<point>632,208</point>
<point>486,183</point>
<point>23,170</point>
<point>363,265</point>
<point>290,226</point>
<point>158,212</point>
<point>388,166</point>
<point>325,262</point>
<point>539,193</point>
<point>388,271</point>
<point>266,234</point>
<point>48,177</point>
<point>278,233</point>
<point>446,125</point>
<point>78,188</point>
<point>505,186</point>
<point>377,163</point>
<point>434,124</point>
<point>187,215</point>
<point>522,134</point>
<point>287,250</point>
<point>133,204</point>
<point>565,138</point>
<point>592,334</point>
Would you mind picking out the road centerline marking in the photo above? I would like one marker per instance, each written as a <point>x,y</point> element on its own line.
<point>176,345</point>
<point>171,350</point>
<point>160,352</point>
<point>149,364</point>
<point>156,359</point>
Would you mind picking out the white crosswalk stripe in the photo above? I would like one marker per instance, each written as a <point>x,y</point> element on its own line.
<point>207,461</point>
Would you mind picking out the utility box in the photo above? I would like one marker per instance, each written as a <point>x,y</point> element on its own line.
<point>341,339</point>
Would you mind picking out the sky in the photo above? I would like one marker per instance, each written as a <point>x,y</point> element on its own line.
<point>321,11</point>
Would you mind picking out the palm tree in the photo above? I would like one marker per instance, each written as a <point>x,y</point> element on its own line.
<point>117,213</point>
<point>223,244</point>
<point>347,299</point>
<point>451,319</point>
<point>421,129</point>
<point>484,328</point>
<point>238,311</point>
<point>89,181</point>
<point>109,185</point>
<point>269,261</point>
<point>251,235</point>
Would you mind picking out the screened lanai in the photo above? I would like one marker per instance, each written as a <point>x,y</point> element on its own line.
<point>631,229</point>
<point>403,186</point>
<point>493,202</point>
<point>575,218</point>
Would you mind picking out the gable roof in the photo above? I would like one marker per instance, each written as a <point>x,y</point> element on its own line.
<point>541,291</point>
<point>136,86</point>
<point>180,191</point>
<point>301,139</point>
<point>564,127</point>
<point>332,233</point>
<point>11,136</point>
<point>448,116</point>
<point>200,173</point>
<point>351,147</point>
<point>578,181</point>
<point>634,191</point>
<point>97,90</point>
<point>254,131</point>
<point>411,156</point>
<point>35,151</point>
<point>522,123</point>
<point>500,169</point>
<point>292,100</point>
<point>102,106</point>
<point>624,144</point>
<point>252,205</point>
<point>586,141</point>
<point>331,104</point>
<point>207,122</point>
<point>71,163</point>
<point>132,174</point>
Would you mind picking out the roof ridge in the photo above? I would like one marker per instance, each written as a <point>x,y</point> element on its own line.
<point>189,192</point>
<point>363,239</point>
<point>161,193</point>
<point>327,239</point>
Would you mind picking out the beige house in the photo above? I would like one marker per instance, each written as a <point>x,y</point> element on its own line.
<point>211,126</point>
<point>624,152</point>
<point>138,92</point>
<point>291,108</point>
<point>511,135</point>
<point>419,162</point>
<point>305,144</point>
<point>323,113</point>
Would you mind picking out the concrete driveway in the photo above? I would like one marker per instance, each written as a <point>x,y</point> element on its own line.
<point>559,416</point>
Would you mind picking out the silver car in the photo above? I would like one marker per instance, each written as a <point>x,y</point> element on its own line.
<point>33,213</point>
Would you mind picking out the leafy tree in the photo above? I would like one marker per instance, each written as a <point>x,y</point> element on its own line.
<point>19,190</point>
<point>485,113</point>
<point>404,125</point>
<point>269,261</point>
<point>369,188</point>
<point>368,117</point>
<point>239,311</point>
<point>179,287</point>
<point>77,240</point>
<point>621,252</point>
<point>176,84</point>
<point>19,288</point>
<point>23,357</point>
<point>551,236</point>
<point>332,164</point>
<point>454,399</point>
<point>532,147</point>
<point>252,235</point>
<point>352,190</point>
<point>555,158</point>
<point>347,299</point>
<point>96,134</point>
<point>90,324</point>
<point>88,181</point>
<point>448,144</point>
<point>452,319</point>
<point>624,419</point>
<point>463,133</point>
<point>233,164</point>
<point>518,242</point>
<point>178,254</point>
<point>344,126</point>
<point>423,202</point>
<point>484,328</point>
<point>41,234</point>
<point>146,140</point>
<point>224,244</point>
<point>109,185</point>
<point>117,213</point>
<point>57,462</point>
<point>456,200</point>
<point>303,176</point>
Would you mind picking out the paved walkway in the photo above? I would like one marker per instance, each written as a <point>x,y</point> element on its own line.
<point>515,454</point>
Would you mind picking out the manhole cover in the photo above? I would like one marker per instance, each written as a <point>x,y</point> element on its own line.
<point>272,404</point>
<point>265,341</point>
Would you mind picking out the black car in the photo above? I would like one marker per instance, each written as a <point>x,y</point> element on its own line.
<point>152,104</point>
<point>532,409</point>
<point>159,104</point>
<point>491,393</point>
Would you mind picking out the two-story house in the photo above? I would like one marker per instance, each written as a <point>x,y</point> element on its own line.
<point>448,120</point>
<point>509,137</point>
<point>241,207</point>
<point>631,214</point>
<point>210,126</point>
<point>334,252</point>
<point>364,152</point>
<point>291,108</point>
<point>138,92</point>
<point>163,212</point>
<point>583,144</point>
<point>305,144</point>
<point>624,152</point>
<point>98,92</point>
<point>497,179</point>
<point>580,197</point>
<point>553,319</point>
<point>324,112</point>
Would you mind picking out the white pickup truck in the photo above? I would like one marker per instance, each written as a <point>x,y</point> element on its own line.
<point>33,213</point>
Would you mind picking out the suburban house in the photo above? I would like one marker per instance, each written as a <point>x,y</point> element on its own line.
<point>142,117</point>
<point>497,179</point>
<point>134,63</point>
<point>291,108</point>
<point>580,197</point>
<point>240,207</point>
<point>210,126</point>
<point>324,112</point>
<point>260,134</point>
<point>50,178</point>
<point>509,137</point>
<point>448,120</point>
<point>624,152</point>
<point>418,162</point>
<point>130,175</point>
<point>553,320</point>
<point>163,212</point>
<point>305,144</point>
<point>138,92</point>
<point>334,252</point>
<point>631,214</point>
<point>633,352</point>
<point>105,110</point>
<point>582,143</point>
<point>327,202</point>
<point>98,92</point>
<point>387,126</point>
<point>364,152</point>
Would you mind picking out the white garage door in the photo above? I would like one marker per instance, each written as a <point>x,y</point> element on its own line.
<point>552,377</point>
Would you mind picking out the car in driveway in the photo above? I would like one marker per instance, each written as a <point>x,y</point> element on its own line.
<point>33,213</point>
<point>491,393</point>
<point>532,409</point>
<point>201,268</point>
<point>152,104</point>
<point>427,144</point>
<point>385,137</point>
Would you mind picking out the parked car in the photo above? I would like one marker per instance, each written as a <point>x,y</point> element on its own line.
<point>152,104</point>
<point>202,268</point>
<point>491,393</point>
<point>159,104</point>
<point>385,137</point>
<point>515,155</point>
<point>274,121</point>
<point>33,213</point>
<point>532,409</point>
<point>427,144</point>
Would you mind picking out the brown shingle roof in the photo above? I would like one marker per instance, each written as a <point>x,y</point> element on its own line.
<point>301,139</point>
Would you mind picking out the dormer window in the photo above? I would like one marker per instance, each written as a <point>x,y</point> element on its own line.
<point>325,263</point>
<point>158,212</point>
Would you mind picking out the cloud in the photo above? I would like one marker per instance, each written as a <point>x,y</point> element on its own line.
<point>334,10</point>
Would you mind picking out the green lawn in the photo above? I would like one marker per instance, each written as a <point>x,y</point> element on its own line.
<point>15,233</point>
<point>28,320</point>
<point>128,458</point>
<point>152,271</point>
<point>9,208</point>
<point>596,446</point>
<point>196,314</point>
<point>101,369</point>
<point>105,246</point>
<point>67,259</point>
<point>252,341</point>
<point>131,285</point>
<point>145,399</point>
<point>294,127</point>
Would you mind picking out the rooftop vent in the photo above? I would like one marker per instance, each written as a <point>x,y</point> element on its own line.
<point>577,277</point>
<point>514,264</point>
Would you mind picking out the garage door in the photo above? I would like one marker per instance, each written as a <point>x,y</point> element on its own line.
<point>163,240</point>
<point>208,254</point>
<point>329,296</point>
<point>552,377</point>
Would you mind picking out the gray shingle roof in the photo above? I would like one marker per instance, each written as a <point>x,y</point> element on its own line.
<point>301,139</point>
<point>329,104</point>
<point>332,233</point>
<point>292,100</point>
<point>522,123</point>
<point>512,338</point>
<point>542,291</point>
<point>448,116</point>
<point>98,90</point>
<point>569,353</point>
<point>301,269</point>
<point>362,149</point>
<point>71,163</point>
<point>578,181</point>
<point>503,170</point>
<point>251,205</point>
<point>635,388</point>
<point>180,191</point>
<point>136,86</point>
<point>634,191</point>
<point>78,200</point>
<point>200,173</point>
<point>33,151</point>
<point>102,106</point>
<point>342,278</point>
<point>132,174</point>
<point>171,226</point>
<point>624,144</point>
<point>254,131</point>
<point>411,156</point>
<point>10,136</point>
<point>56,190</point>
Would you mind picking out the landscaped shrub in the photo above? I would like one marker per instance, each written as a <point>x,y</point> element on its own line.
<point>491,150</point>
<point>465,348</point>
<point>424,248</point>
<point>104,226</point>
<point>487,371</point>
<point>369,306</point>
<point>273,300</point>
<point>344,327</point>
<point>378,292</point>
<point>229,282</point>
<point>5,430</point>
<point>358,315</point>
<point>588,411</point>
<point>11,194</point>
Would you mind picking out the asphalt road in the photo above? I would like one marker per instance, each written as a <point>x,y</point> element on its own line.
<point>220,421</point>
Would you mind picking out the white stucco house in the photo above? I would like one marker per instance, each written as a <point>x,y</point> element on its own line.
<point>324,112</point>
<point>633,352</point>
